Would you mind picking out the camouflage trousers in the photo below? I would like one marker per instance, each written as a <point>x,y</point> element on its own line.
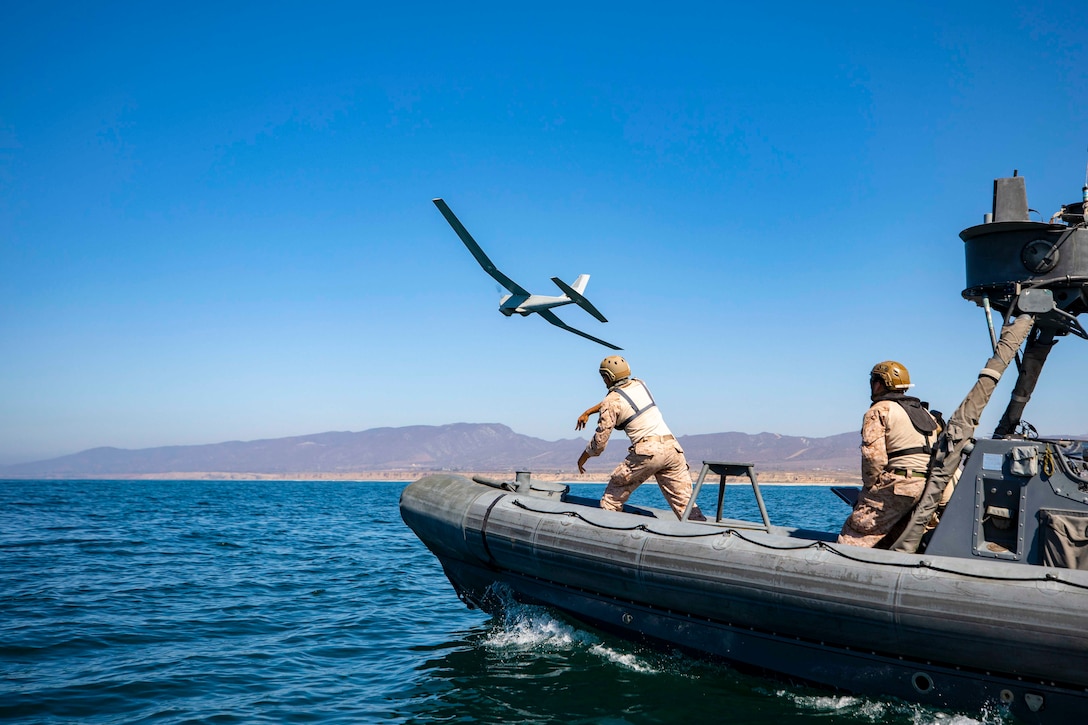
<point>880,508</point>
<point>664,460</point>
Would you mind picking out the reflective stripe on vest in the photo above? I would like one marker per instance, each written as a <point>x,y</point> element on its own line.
<point>639,410</point>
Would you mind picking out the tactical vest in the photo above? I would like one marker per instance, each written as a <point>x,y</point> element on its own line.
<point>645,418</point>
<point>924,433</point>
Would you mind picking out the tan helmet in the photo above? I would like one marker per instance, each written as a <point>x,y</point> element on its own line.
<point>613,369</point>
<point>892,374</point>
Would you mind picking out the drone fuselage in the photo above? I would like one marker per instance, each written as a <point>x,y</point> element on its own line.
<point>527,305</point>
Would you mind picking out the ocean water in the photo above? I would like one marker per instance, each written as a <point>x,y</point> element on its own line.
<point>311,602</point>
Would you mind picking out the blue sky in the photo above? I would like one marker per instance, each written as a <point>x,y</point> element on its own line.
<point>216,220</point>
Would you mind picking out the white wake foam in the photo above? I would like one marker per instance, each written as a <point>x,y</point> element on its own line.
<point>534,629</point>
<point>877,711</point>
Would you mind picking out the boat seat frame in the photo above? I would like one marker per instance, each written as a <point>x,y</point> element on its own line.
<point>724,469</point>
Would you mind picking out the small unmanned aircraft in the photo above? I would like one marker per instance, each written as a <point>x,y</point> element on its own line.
<point>521,300</point>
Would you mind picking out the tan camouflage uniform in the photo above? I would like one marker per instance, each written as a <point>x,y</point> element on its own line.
<point>889,488</point>
<point>654,451</point>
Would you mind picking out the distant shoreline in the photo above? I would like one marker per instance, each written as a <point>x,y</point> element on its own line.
<point>771,478</point>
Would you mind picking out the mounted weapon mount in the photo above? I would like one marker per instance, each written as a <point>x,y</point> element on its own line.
<point>1016,266</point>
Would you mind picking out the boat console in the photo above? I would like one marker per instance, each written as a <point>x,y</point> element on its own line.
<point>1022,501</point>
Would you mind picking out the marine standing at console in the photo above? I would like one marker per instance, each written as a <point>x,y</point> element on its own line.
<point>897,437</point>
<point>654,451</point>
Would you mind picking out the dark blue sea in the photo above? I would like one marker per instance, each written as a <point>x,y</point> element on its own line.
<point>311,602</point>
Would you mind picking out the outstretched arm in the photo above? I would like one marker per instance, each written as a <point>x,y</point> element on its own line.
<point>584,417</point>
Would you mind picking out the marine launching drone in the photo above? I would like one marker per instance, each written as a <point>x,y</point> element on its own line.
<point>520,300</point>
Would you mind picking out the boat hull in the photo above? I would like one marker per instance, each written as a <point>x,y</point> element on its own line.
<point>942,631</point>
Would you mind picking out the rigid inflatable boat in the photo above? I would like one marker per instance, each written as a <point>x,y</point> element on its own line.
<point>983,598</point>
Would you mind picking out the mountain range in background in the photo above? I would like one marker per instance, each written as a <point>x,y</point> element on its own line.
<point>408,452</point>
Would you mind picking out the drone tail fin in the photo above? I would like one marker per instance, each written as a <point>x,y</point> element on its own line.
<point>575,294</point>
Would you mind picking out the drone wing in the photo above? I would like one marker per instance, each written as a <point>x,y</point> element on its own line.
<point>550,317</point>
<point>478,253</point>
